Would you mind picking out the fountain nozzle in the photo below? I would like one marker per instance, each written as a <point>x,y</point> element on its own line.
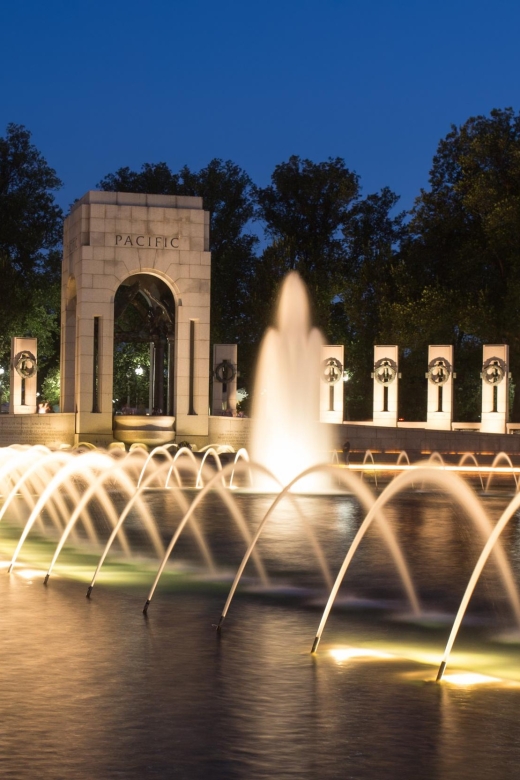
<point>315,644</point>
<point>145,608</point>
<point>46,579</point>
<point>89,591</point>
<point>442,667</point>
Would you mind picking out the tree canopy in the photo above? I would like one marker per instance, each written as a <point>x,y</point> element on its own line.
<point>459,281</point>
<point>446,272</point>
<point>30,238</point>
<point>303,212</point>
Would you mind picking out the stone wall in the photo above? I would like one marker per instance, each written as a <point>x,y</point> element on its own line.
<point>49,429</point>
<point>236,432</point>
<point>421,440</point>
<point>56,429</point>
<point>230,430</point>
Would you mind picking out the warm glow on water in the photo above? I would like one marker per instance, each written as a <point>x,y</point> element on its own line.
<point>469,678</point>
<point>28,574</point>
<point>347,653</point>
<point>167,696</point>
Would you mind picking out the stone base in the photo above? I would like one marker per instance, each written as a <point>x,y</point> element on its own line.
<point>235,431</point>
<point>385,419</point>
<point>417,440</point>
<point>493,422</point>
<point>97,439</point>
<point>52,430</point>
<point>191,425</point>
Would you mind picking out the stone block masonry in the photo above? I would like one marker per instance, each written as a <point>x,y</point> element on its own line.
<point>108,238</point>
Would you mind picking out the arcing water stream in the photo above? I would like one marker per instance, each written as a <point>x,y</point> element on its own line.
<point>64,492</point>
<point>104,496</point>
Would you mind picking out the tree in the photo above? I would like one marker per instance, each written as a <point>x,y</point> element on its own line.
<point>227,193</point>
<point>152,179</point>
<point>461,262</point>
<point>304,210</point>
<point>371,239</point>
<point>30,237</point>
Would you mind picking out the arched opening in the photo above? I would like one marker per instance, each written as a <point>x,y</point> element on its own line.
<point>144,334</point>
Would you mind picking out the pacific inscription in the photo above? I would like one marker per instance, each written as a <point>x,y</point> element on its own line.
<point>147,242</point>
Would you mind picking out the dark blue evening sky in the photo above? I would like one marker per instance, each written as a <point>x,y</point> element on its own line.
<point>106,84</point>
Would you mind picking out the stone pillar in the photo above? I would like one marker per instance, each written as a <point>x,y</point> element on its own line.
<point>495,388</point>
<point>94,361</point>
<point>386,378</point>
<point>224,379</point>
<point>151,377</point>
<point>440,378</point>
<point>24,353</point>
<point>331,386</point>
<point>158,384</point>
<point>171,377</point>
<point>68,334</point>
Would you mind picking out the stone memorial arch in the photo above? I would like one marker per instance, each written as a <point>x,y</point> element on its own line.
<point>147,255</point>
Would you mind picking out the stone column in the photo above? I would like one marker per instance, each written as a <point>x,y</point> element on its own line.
<point>224,397</point>
<point>24,353</point>
<point>71,248</point>
<point>440,378</point>
<point>94,361</point>
<point>331,386</point>
<point>171,376</point>
<point>495,388</point>
<point>158,396</point>
<point>386,378</point>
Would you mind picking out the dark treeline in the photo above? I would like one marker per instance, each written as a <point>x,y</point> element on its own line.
<point>446,272</point>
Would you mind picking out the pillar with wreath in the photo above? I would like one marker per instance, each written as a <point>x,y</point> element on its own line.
<point>495,388</point>
<point>331,388</point>
<point>23,398</point>
<point>224,396</point>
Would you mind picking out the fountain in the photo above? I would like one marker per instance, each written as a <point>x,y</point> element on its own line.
<point>286,436</point>
<point>381,575</point>
<point>81,479</point>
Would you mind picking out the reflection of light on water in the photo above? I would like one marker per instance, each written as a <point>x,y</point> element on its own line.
<point>400,467</point>
<point>422,657</point>
<point>346,653</point>
<point>469,678</point>
<point>29,574</point>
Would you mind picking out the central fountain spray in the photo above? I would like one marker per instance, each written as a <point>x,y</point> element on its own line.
<point>287,437</point>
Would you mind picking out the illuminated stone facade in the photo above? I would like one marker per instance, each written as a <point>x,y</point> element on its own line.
<point>109,237</point>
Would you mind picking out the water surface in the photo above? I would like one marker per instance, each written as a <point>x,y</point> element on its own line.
<point>93,689</point>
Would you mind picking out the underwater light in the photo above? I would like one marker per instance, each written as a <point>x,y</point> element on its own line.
<point>469,678</point>
<point>29,574</point>
<point>346,653</point>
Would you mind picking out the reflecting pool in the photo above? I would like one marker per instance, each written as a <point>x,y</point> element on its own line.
<point>92,688</point>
